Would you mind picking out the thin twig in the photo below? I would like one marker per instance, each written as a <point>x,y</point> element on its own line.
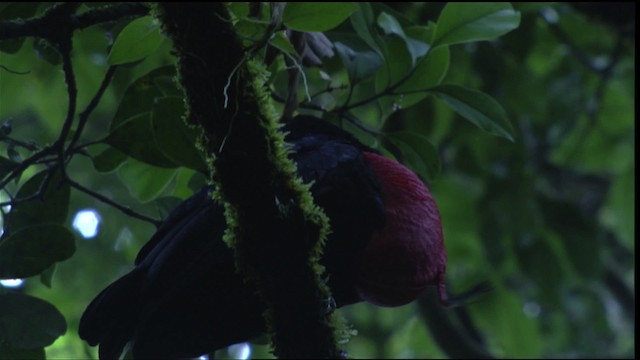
<point>35,196</point>
<point>13,71</point>
<point>108,14</point>
<point>41,27</point>
<point>26,145</point>
<point>361,126</point>
<point>62,39</point>
<point>25,164</point>
<point>304,105</point>
<point>84,115</point>
<point>388,91</point>
<point>72,93</point>
<point>83,146</point>
<point>112,203</point>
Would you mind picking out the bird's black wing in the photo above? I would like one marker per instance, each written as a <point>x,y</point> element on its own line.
<point>184,286</point>
<point>184,297</point>
<point>195,301</point>
<point>184,210</point>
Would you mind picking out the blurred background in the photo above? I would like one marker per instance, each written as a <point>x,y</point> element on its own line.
<point>547,220</point>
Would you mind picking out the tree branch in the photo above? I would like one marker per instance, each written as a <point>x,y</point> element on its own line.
<point>62,17</point>
<point>72,93</point>
<point>35,196</point>
<point>60,14</point>
<point>274,226</point>
<point>25,164</point>
<point>84,115</point>
<point>112,203</point>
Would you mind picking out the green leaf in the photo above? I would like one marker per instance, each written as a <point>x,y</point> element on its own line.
<point>239,9</point>
<point>580,236</point>
<point>27,322</point>
<point>174,138</point>
<point>251,29</point>
<point>10,353</point>
<point>316,16</point>
<point>13,11</point>
<point>47,52</point>
<point>501,318</point>
<point>415,47</point>
<point>143,181</point>
<point>33,249</point>
<point>47,276</point>
<point>281,41</point>
<point>109,160</point>
<point>13,154</point>
<point>362,21</point>
<point>477,107</point>
<point>619,211</point>
<point>429,72</point>
<point>139,39</point>
<point>418,153</point>
<point>51,207</point>
<point>397,67</point>
<point>359,64</point>
<point>6,166</point>
<point>141,94</point>
<point>557,269</point>
<point>432,68</point>
<point>135,138</point>
<point>390,25</point>
<point>467,22</point>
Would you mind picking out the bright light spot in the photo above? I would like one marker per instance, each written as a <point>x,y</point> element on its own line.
<point>600,62</point>
<point>240,351</point>
<point>550,15</point>
<point>203,357</point>
<point>5,198</point>
<point>11,283</point>
<point>87,222</point>
<point>5,210</point>
<point>531,309</point>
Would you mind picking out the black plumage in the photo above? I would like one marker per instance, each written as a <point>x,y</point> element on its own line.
<point>184,297</point>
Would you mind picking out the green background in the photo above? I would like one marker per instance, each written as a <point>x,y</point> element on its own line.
<point>547,219</point>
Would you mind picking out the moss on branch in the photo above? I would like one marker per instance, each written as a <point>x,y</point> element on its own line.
<point>276,230</point>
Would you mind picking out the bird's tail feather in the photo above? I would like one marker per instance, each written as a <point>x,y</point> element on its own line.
<point>110,317</point>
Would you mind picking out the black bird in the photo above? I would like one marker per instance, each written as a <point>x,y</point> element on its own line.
<point>184,297</point>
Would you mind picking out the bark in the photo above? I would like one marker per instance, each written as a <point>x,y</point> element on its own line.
<point>275,229</point>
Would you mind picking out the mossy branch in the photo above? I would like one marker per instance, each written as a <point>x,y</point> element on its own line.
<point>274,227</point>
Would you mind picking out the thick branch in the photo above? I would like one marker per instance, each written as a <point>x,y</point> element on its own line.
<point>42,26</point>
<point>274,227</point>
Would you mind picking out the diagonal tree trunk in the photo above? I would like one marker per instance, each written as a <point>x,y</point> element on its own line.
<point>276,230</point>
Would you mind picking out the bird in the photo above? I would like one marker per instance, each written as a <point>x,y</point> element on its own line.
<point>184,297</point>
